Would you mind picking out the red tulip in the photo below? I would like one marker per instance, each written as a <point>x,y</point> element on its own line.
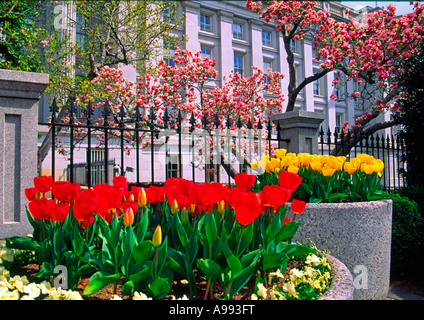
<point>286,219</point>
<point>85,205</point>
<point>32,194</point>
<point>43,183</point>
<point>179,198</point>
<point>298,206</point>
<point>177,186</point>
<point>59,211</point>
<point>40,208</point>
<point>108,197</point>
<point>248,208</point>
<point>120,182</point>
<point>65,191</point>
<point>86,223</point>
<point>213,192</point>
<point>244,181</point>
<point>289,180</point>
<point>154,194</point>
<point>129,204</point>
<point>274,196</point>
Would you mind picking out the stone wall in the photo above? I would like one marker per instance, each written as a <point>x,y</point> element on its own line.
<point>19,96</point>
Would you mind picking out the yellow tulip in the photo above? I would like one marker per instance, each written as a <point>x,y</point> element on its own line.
<point>366,168</point>
<point>279,153</point>
<point>316,166</point>
<point>293,169</point>
<point>157,236</point>
<point>327,171</point>
<point>275,163</point>
<point>356,162</point>
<point>142,198</point>
<point>174,207</point>
<point>254,165</point>
<point>349,168</point>
<point>221,206</point>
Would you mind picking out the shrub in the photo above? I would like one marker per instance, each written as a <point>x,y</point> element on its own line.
<point>407,236</point>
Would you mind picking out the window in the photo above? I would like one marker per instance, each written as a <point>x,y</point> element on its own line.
<point>297,74</point>
<point>168,55</point>
<point>205,23</point>
<point>237,31</point>
<point>266,38</point>
<point>169,16</point>
<point>80,30</point>
<point>338,123</point>
<point>206,52</point>
<point>238,63</point>
<point>267,65</point>
<point>293,45</point>
<point>172,166</point>
<point>317,87</point>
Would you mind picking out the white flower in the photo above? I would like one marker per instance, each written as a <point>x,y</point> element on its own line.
<point>312,259</point>
<point>140,296</point>
<point>276,274</point>
<point>33,290</point>
<point>290,289</point>
<point>27,297</point>
<point>115,297</point>
<point>262,292</point>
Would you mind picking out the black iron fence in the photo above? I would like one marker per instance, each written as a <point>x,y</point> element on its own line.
<point>183,146</point>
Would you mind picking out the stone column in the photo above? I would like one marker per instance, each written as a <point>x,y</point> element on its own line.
<point>301,128</point>
<point>19,96</point>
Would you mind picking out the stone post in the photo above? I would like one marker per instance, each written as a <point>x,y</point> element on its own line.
<point>19,96</point>
<point>301,129</point>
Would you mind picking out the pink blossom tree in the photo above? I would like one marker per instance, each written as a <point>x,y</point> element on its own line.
<point>177,91</point>
<point>370,52</point>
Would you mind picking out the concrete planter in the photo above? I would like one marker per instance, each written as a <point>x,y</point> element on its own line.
<point>359,235</point>
<point>341,287</point>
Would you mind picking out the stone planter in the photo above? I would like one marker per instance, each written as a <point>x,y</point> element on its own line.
<point>341,287</point>
<point>359,235</point>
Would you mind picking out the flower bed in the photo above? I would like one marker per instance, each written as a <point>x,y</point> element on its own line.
<point>325,178</point>
<point>347,212</point>
<point>149,241</point>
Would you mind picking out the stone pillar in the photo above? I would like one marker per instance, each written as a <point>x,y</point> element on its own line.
<point>301,128</point>
<point>19,96</point>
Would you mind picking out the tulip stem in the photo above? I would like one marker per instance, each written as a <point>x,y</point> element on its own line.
<point>239,240</point>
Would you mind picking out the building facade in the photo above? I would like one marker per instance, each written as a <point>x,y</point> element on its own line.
<point>237,39</point>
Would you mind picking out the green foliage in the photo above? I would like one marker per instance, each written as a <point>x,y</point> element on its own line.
<point>407,236</point>
<point>17,28</point>
<point>411,116</point>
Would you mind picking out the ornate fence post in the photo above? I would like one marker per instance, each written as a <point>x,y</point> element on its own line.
<point>19,96</point>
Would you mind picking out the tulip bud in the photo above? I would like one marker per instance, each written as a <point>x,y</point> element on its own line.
<point>131,197</point>
<point>191,208</point>
<point>157,236</point>
<point>184,217</point>
<point>174,207</point>
<point>221,206</point>
<point>142,198</point>
<point>128,217</point>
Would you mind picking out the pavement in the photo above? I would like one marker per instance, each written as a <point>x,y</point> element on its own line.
<point>396,294</point>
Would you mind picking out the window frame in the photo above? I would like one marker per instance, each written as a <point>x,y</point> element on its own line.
<point>238,34</point>
<point>204,25</point>
<point>237,67</point>
<point>267,42</point>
